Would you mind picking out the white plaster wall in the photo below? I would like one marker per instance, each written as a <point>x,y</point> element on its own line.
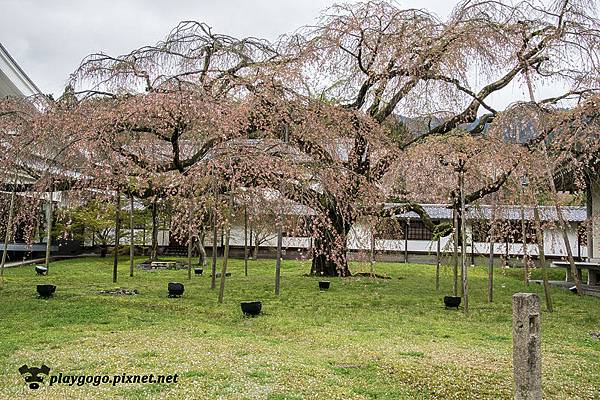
<point>360,239</point>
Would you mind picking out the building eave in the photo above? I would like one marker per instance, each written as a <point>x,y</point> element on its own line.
<point>18,80</point>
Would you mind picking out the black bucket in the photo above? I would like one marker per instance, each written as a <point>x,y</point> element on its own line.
<point>175,289</point>
<point>46,290</point>
<point>251,307</point>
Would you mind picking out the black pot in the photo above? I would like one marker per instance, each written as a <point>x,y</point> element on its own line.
<point>41,270</point>
<point>324,285</point>
<point>198,271</point>
<point>452,301</point>
<point>46,290</point>
<point>573,289</point>
<point>251,307</point>
<point>218,274</point>
<point>175,289</point>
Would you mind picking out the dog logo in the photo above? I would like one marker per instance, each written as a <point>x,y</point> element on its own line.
<point>31,375</point>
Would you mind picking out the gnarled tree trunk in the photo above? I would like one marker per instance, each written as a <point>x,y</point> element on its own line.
<point>330,247</point>
<point>325,264</point>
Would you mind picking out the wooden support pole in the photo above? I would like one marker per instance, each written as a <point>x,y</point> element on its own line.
<point>372,255</point>
<point>131,235</point>
<point>455,255</point>
<point>463,218</point>
<point>117,234</point>
<point>542,255</point>
<point>49,231</point>
<point>213,282</point>
<point>407,225</point>
<point>437,264</point>
<point>524,239</point>
<point>279,251</point>
<point>190,242</point>
<point>154,244</point>
<point>226,250</point>
<point>490,286</point>
<point>245,240</point>
<point>565,232</point>
<point>9,222</point>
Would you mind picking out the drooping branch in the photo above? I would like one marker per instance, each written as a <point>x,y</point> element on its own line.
<point>469,114</point>
<point>402,206</point>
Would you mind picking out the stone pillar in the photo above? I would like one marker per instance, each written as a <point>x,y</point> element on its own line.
<point>527,357</point>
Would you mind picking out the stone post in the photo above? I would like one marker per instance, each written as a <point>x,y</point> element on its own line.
<point>527,357</point>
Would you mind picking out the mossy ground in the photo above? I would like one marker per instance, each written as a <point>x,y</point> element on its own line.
<point>363,339</point>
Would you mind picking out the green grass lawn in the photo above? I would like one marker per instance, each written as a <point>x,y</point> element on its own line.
<point>363,339</point>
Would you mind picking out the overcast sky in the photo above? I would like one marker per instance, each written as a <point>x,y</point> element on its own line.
<point>49,38</point>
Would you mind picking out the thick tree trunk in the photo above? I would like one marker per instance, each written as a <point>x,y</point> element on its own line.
<point>329,249</point>
<point>323,265</point>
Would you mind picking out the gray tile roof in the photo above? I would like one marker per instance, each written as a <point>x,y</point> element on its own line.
<point>547,213</point>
